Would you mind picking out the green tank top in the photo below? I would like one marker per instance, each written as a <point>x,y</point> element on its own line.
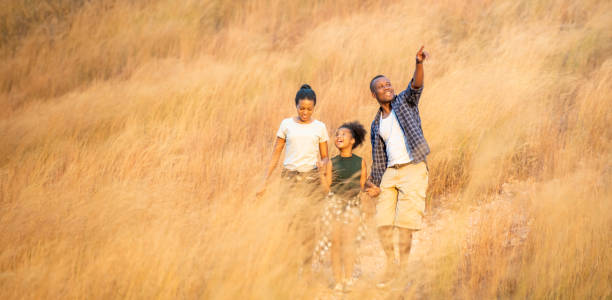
<point>346,175</point>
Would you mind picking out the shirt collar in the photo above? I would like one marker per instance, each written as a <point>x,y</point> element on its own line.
<point>380,109</point>
<point>392,104</point>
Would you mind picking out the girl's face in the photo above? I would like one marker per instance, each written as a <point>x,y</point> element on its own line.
<point>344,138</point>
<point>305,108</point>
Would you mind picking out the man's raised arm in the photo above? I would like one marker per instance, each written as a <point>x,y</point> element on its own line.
<point>417,78</point>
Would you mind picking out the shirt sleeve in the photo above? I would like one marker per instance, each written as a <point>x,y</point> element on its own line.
<point>282,130</point>
<point>379,153</point>
<point>411,95</point>
<point>323,137</point>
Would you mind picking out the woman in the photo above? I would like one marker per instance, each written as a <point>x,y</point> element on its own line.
<point>304,141</point>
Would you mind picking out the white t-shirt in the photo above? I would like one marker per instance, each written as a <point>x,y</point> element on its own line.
<point>302,143</point>
<point>392,134</point>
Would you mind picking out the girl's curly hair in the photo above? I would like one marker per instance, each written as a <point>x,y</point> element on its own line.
<point>357,131</point>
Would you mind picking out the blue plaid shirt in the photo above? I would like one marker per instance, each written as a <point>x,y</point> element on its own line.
<point>406,109</point>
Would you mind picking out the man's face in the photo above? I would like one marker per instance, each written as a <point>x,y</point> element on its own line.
<point>383,91</point>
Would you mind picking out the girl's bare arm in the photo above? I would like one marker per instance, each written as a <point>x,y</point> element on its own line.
<point>364,175</point>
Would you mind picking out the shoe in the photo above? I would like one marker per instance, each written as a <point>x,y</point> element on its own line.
<point>348,285</point>
<point>388,277</point>
<point>384,283</point>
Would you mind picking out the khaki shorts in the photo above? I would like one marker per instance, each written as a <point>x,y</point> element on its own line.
<point>401,201</point>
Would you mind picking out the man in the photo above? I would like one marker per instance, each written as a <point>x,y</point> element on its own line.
<point>399,170</point>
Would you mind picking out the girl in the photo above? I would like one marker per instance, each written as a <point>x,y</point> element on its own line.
<point>344,178</point>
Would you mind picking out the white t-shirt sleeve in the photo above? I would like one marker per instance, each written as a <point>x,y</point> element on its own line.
<point>323,137</point>
<point>282,130</point>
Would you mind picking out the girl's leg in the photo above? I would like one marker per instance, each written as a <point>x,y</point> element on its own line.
<point>349,235</point>
<point>336,251</point>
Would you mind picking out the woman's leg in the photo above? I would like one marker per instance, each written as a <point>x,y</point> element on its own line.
<point>309,212</point>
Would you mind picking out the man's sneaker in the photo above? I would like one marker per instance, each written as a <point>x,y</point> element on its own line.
<point>384,283</point>
<point>388,277</point>
<point>348,285</point>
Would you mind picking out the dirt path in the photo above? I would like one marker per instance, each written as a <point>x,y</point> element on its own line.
<point>442,219</point>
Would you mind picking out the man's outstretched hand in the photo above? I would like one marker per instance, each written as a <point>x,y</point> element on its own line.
<point>417,78</point>
<point>422,55</point>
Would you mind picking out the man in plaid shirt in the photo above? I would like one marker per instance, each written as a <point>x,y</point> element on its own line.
<point>399,170</point>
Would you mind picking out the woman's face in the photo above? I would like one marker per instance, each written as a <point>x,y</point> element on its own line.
<point>305,108</point>
<point>344,138</point>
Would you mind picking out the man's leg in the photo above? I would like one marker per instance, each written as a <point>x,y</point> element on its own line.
<point>405,243</point>
<point>386,207</point>
<point>410,206</point>
<point>385,235</point>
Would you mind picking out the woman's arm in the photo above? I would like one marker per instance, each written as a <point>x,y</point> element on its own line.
<point>326,177</point>
<point>278,149</point>
<point>324,166</point>
<point>323,152</point>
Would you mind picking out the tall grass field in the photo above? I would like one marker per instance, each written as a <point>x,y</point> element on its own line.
<point>135,134</point>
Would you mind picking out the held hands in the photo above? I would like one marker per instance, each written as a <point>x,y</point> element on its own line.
<point>373,191</point>
<point>368,204</point>
<point>322,167</point>
<point>421,55</point>
<point>322,164</point>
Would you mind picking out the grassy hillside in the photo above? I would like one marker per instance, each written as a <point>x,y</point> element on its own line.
<point>133,135</point>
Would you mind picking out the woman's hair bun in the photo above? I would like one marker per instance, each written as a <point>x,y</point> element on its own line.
<point>305,92</point>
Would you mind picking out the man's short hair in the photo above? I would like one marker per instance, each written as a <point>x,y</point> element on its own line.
<point>374,80</point>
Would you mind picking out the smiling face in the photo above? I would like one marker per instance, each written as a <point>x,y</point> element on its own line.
<point>383,90</point>
<point>344,138</point>
<point>305,108</point>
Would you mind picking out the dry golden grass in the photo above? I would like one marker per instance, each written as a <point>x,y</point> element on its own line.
<point>134,134</point>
